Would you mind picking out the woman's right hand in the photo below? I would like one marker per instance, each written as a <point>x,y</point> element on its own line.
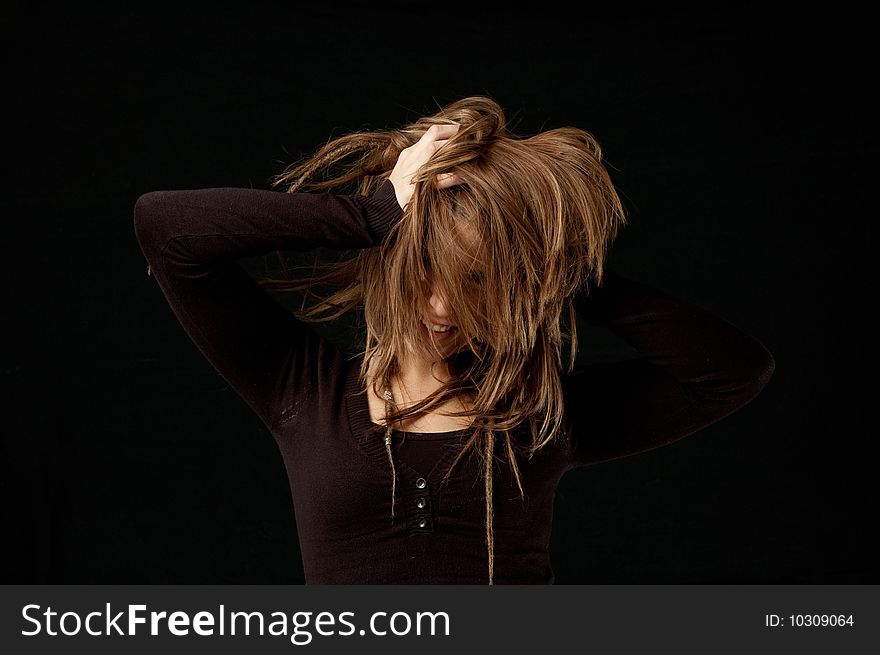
<point>415,156</point>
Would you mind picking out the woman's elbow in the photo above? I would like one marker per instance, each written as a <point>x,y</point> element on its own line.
<point>753,374</point>
<point>148,223</point>
<point>736,381</point>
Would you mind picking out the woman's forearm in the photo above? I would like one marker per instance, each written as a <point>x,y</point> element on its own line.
<point>229,223</point>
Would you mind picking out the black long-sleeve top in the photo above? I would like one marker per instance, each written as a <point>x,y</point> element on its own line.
<point>694,369</point>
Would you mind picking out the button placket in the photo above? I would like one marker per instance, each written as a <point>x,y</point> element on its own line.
<point>419,506</point>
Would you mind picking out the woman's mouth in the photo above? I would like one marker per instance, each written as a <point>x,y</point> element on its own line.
<point>438,332</point>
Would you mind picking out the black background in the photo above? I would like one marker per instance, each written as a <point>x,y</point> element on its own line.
<point>742,145</point>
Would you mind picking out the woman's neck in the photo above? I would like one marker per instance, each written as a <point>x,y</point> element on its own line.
<point>417,379</point>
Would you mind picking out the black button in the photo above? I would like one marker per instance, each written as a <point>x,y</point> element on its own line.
<point>420,503</point>
<point>422,522</point>
<point>421,483</point>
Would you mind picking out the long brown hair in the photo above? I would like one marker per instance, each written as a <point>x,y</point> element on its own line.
<point>545,212</point>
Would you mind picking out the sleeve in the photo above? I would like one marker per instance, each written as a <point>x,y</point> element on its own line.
<point>694,369</point>
<point>192,239</point>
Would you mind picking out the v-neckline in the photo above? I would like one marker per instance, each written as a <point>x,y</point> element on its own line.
<point>370,437</point>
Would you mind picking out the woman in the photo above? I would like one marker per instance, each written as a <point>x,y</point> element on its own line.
<point>454,424</point>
